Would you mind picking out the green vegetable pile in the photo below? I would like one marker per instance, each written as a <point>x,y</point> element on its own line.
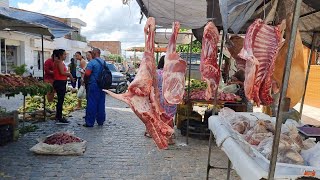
<point>12,85</point>
<point>35,104</point>
<point>196,85</point>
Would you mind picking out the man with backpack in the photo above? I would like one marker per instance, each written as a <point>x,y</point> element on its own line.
<point>97,77</point>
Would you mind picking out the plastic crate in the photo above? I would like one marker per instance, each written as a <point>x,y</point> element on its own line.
<point>6,134</point>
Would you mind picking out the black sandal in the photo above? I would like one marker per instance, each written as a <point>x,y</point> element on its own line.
<point>146,134</point>
<point>85,125</point>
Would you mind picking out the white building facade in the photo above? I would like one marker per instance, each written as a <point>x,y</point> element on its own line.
<point>21,48</point>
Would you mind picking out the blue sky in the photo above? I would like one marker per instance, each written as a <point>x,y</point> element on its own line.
<point>81,3</point>
<point>107,20</point>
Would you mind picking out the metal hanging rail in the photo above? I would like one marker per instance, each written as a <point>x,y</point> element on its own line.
<point>215,109</point>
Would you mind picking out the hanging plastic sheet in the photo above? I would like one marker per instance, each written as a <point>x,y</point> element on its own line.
<point>235,13</point>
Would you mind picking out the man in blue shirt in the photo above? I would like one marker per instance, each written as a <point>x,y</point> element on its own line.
<point>95,109</point>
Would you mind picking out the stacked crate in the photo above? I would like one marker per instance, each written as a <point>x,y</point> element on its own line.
<point>8,124</point>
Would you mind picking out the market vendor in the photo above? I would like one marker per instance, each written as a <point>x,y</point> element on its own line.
<point>48,74</point>
<point>238,78</point>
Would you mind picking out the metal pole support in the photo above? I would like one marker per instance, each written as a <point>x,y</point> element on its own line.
<point>229,169</point>
<point>44,96</point>
<point>209,155</point>
<point>24,110</point>
<point>189,75</point>
<point>285,81</point>
<point>215,108</point>
<point>308,71</point>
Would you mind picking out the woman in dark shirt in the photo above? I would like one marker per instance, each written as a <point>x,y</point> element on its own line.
<point>72,69</point>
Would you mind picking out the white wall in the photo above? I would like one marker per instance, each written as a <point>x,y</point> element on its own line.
<point>27,44</point>
<point>71,47</point>
<point>24,52</point>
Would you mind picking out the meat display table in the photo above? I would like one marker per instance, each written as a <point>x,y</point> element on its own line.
<point>246,166</point>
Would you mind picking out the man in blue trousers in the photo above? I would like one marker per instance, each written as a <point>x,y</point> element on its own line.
<point>96,97</point>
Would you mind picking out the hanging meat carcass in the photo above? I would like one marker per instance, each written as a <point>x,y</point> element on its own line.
<point>143,95</point>
<point>260,49</point>
<point>298,70</point>
<point>174,71</point>
<point>210,71</point>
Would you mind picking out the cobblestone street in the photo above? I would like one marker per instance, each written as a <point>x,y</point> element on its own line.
<point>118,150</point>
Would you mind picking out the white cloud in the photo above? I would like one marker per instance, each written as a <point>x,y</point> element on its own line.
<point>106,20</point>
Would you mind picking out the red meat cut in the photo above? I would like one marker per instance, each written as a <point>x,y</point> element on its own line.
<point>174,71</point>
<point>143,94</point>
<point>260,49</point>
<point>209,68</point>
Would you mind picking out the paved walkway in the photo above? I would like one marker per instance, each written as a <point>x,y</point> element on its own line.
<point>118,150</point>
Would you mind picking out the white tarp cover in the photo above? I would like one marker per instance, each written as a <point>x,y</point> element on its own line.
<point>192,14</point>
<point>18,25</point>
<point>235,13</point>
<point>56,28</point>
<point>162,38</point>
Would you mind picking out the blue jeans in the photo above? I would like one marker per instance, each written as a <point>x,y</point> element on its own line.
<point>95,109</point>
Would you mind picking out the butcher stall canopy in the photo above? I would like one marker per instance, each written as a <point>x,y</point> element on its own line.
<point>141,49</point>
<point>162,38</point>
<point>237,14</point>
<point>31,22</point>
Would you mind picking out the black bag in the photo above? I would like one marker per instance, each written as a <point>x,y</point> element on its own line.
<point>105,77</point>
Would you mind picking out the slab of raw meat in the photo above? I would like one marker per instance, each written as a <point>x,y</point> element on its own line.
<point>234,46</point>
<point>210,71</point>
<point>260,48</point>
<point>174,71</point>
<point>143,94</point>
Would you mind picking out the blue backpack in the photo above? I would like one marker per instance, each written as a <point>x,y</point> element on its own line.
<point>105,77</point>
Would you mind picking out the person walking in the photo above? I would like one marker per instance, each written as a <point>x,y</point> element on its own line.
<point>72,68</point>
<point>81,65</point>
<point>89,56</point>
<point>48,74</point>
<point>60,83</point>
<point>95,110</point>
<point>170,110</point>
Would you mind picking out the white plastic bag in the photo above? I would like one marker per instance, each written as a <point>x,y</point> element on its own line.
<point>233,88</point>
<point>74,148</point>
<point>82,92</point>
<point>312,155</point>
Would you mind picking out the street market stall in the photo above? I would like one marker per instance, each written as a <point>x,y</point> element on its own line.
<point>236,17</point>
<point>35,24</point>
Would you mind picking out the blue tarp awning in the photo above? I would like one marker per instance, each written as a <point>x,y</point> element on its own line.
<point>31,22</point>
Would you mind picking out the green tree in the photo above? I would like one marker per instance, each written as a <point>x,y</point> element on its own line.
<point>196,45</point>
<point>115,57</point>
